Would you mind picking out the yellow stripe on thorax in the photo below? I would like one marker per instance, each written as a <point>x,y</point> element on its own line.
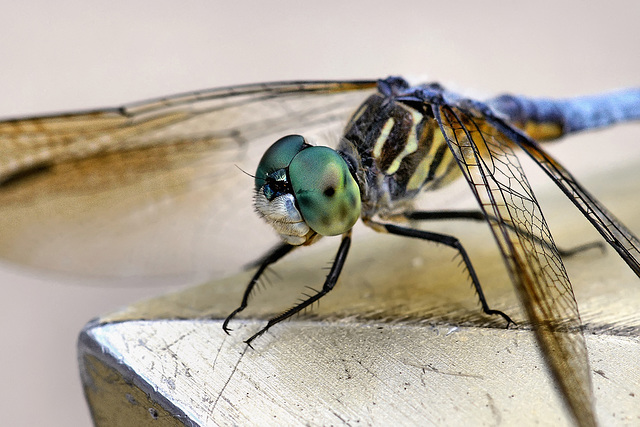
<point>411,144</point>
<point>422,170</point>
<point>384,134</point>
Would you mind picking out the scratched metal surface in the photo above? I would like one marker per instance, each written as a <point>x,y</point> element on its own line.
<point>320,373</point>
<point>400,345</point>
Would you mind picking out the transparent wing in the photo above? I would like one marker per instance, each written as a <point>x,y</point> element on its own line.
<point>614,232</point>
<point>496,178</point>
<point>155,188</point>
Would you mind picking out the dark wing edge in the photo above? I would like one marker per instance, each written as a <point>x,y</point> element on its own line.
<point>193,97</point>
<point>265,90</point>
<point>542,284</point>
<point>36,142</point>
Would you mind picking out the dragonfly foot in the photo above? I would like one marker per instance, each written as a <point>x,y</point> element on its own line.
<point>225,324</point>
<point>504,316</point>
<point>254,336</point>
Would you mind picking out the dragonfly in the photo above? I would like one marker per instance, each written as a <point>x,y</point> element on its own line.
<point>66,179</point>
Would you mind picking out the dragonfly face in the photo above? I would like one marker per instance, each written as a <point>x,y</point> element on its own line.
<point>304,191</point>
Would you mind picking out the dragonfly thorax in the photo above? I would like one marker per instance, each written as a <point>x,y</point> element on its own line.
<point>400,151</point>
<point>303,191</point>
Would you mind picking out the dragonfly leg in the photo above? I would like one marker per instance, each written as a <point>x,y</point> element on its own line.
<point>329,283</point>
<point>454,243</point>
<point>271,257</point>
<point>477,215</point>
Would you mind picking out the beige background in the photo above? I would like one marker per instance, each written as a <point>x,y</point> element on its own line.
<point>73,55</point>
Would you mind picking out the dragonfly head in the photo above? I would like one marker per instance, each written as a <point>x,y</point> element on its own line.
<point>303,190</point>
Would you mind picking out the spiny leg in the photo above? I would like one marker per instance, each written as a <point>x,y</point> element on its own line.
<point>476,215</point>
<point>454,243</point>
<point>329,283</point>
<point>271,257</point>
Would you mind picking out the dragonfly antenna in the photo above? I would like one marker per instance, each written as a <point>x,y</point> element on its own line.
<point>244,172</point>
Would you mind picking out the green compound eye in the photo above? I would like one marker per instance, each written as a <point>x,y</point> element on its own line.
<point>327,194</point>
<point>278,156</point>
